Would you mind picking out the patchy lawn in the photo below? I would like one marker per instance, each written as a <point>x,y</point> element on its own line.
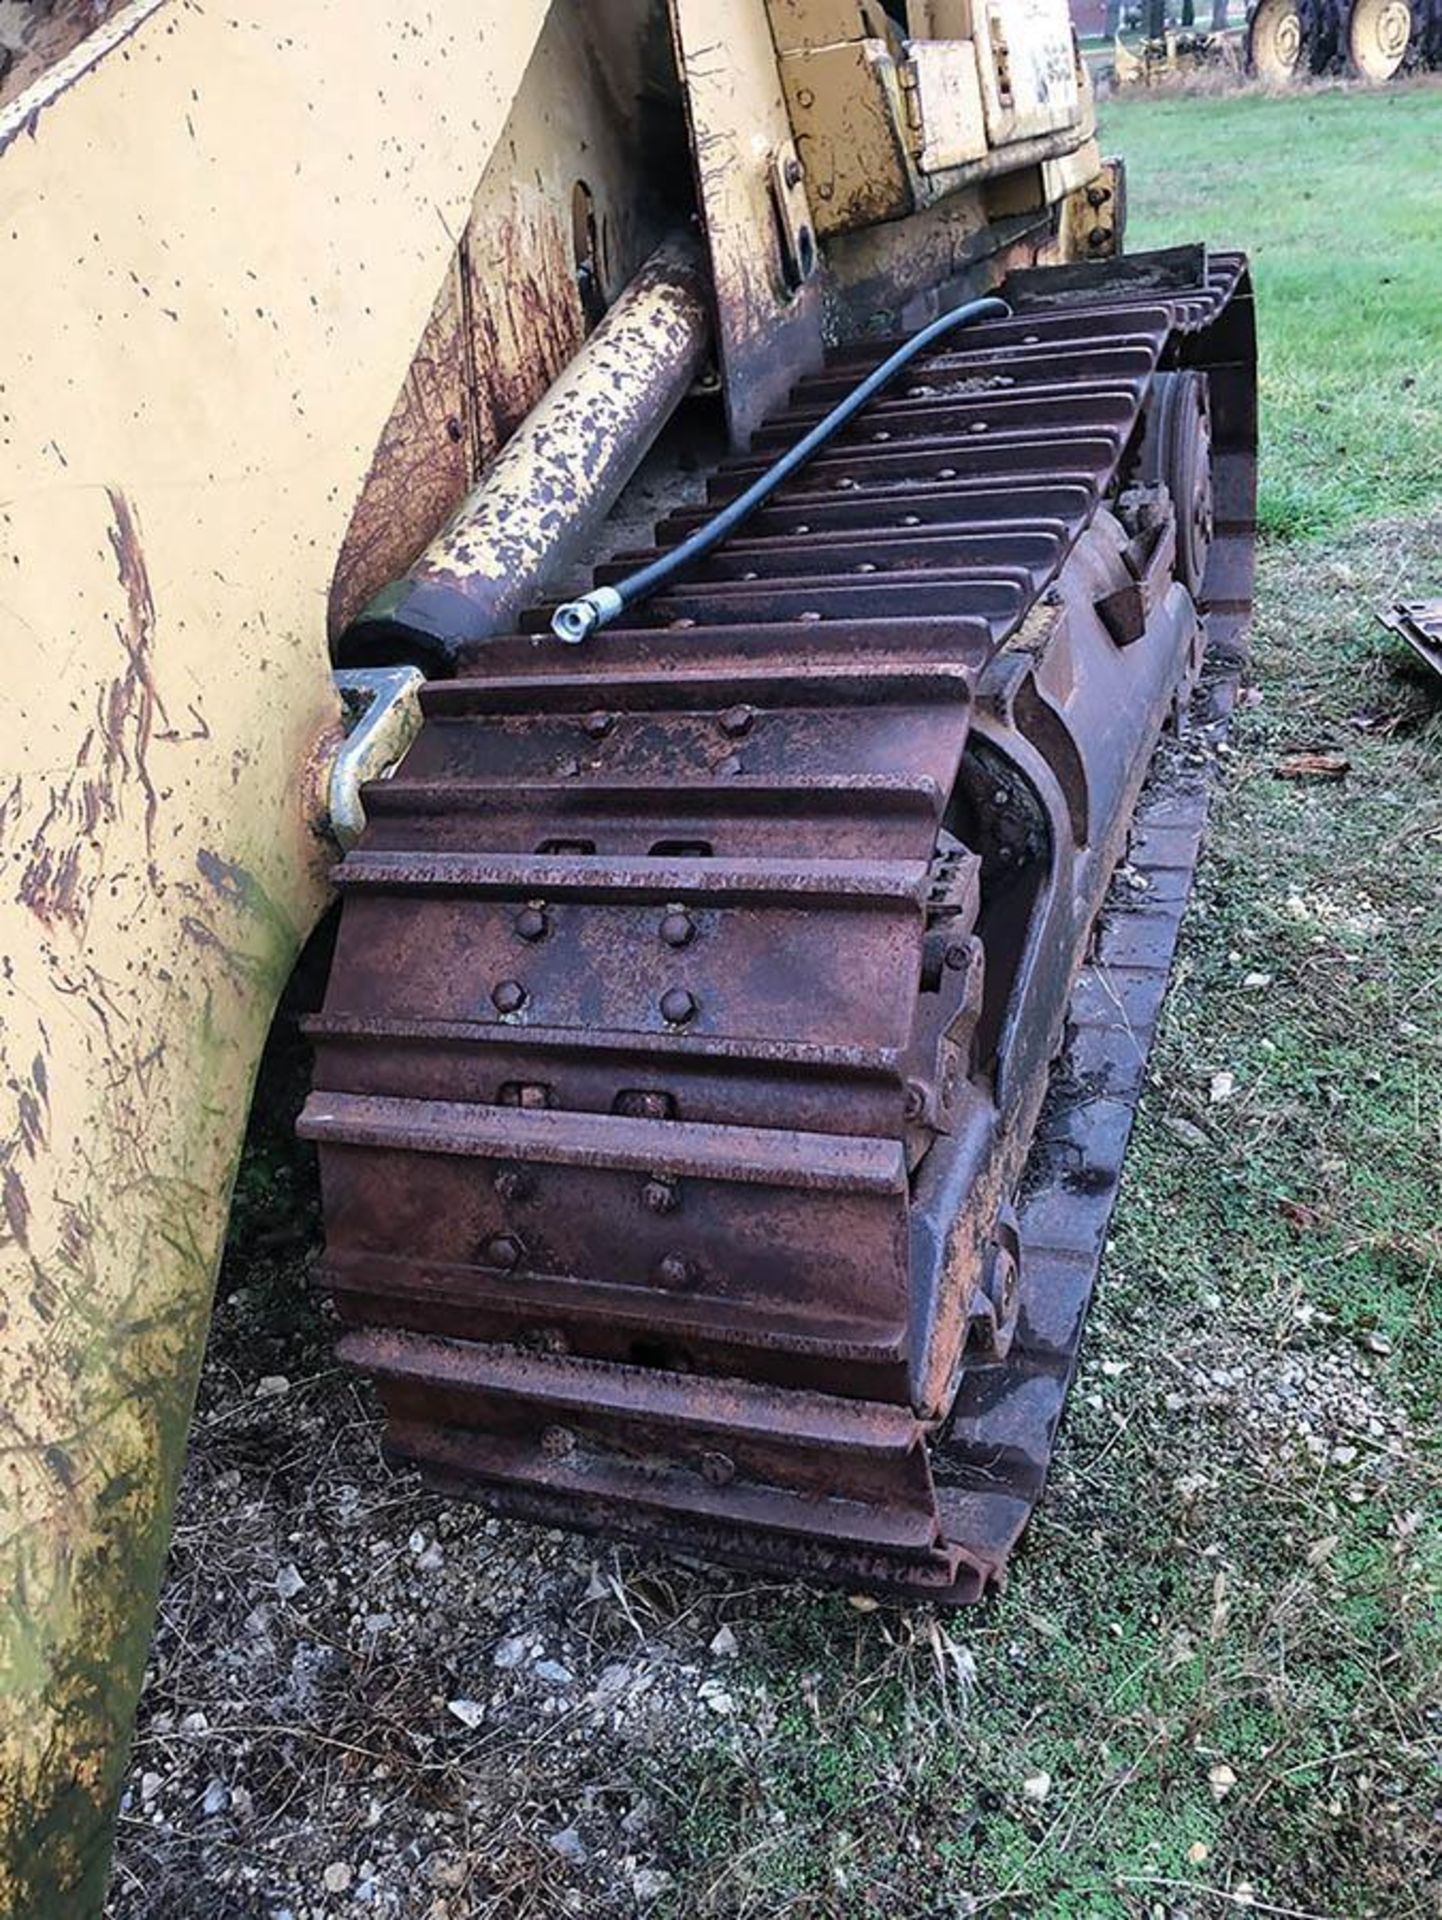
<point>1215,1682</point>
<point>1337,194</point>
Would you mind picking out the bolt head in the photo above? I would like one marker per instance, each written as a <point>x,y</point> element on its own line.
<point>598,725</point>
<point>557,1442</point>
<point>736,720</point>
<point>503,1251</point>
<point>675,1270</point>
<point>678,1007</point>
<point>678,929</point>
<point>660,1195</point>
<point>792,172</point>
<point>642,1103</point>
<point>511,1183</point>
<point>957,955</point>
<point>718,1468</point>
<point>915,1102</point>
<point>1004,1281</point>
<point>532,924</point>
<point>508,996</point>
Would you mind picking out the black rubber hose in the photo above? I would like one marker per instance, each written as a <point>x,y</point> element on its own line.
<point>579,618</point>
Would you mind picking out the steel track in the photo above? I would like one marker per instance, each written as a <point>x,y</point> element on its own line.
<point>698,991</point>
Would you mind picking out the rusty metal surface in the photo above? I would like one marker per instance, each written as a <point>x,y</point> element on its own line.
<point>1419,624</point>
<point>888,123</point>
<point>768,331</point>
<point>558,474</point>
<point>36,36</point>
<point>555,230</point>
<point>697,991</point>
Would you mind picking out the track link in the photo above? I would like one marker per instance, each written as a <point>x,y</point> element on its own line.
<point>697,991</point>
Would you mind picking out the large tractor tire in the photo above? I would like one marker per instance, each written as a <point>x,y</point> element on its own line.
<point>1379,39</point>
<point>1277,42</point>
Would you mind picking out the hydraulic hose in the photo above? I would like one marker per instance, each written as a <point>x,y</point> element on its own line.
<point>579,618</point>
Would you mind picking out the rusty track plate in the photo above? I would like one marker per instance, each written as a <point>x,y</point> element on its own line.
<point>697,990</point>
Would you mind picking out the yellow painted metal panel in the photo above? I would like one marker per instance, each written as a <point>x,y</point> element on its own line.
<point>223,239</point>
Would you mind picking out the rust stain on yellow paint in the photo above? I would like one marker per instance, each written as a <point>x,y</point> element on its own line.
<point>201,340</point>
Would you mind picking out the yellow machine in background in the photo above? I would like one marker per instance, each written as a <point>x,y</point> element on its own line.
<point>280,286</point>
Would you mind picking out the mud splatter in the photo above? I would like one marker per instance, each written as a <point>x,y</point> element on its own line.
<point>65,863</point>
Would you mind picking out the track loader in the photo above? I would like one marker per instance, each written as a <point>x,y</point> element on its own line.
<point>684,517</point>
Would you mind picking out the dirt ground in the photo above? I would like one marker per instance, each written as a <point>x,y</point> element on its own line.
<point>1215,1681</point>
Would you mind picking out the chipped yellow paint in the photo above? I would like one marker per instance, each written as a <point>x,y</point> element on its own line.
<point>223,237</point>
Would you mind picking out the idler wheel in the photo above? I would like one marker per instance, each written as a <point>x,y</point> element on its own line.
<point>996,1303</point>
<point>1177,454</point>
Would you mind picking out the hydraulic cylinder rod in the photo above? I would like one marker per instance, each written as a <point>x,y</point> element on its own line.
<point>556,477</point>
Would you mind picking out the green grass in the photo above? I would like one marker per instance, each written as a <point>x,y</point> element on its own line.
<point>1201,1590</point>
<point>1337,195</point>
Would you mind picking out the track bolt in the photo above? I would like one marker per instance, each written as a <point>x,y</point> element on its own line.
<point>598,725</point>
<point>910,520</point>
<point>1098,237</point>
<point>866,566</point>
<point>557,1442</point>
<point>504,1251</point>
<point>532,924</point>
<point>718,1468</point>
<point>682,621</point>
<point>792,172</point>
<point>508,996</point>
<point>678,1006</point>
<point>678,929</point>
<point>946,473</point>
<point>660,1195</point>
<point>736,720</point>
<point>511,1183</point>
<point>1098,196</point>
<point>915,1100</point>
<point>957,955</point>
<point>809,617</point>
<point>675,1271</point>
